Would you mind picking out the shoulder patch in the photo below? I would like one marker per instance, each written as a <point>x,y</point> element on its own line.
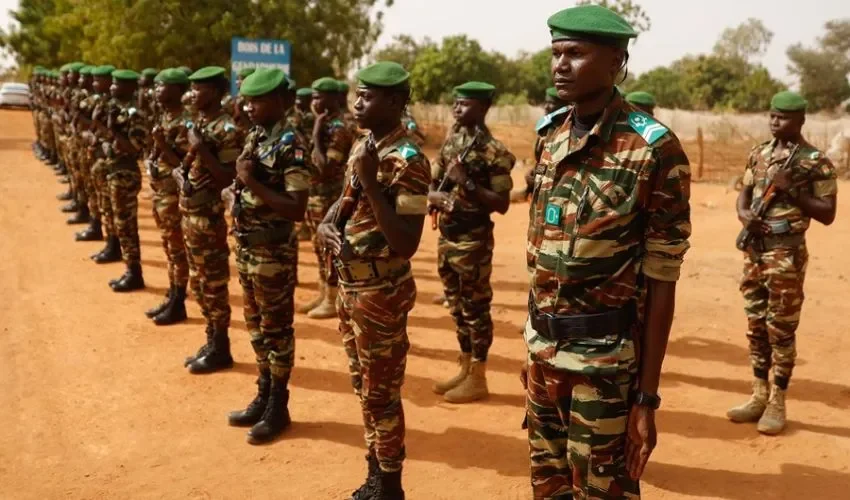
<point>229,126</point>
<point>287,138</point>
<point>337,123</point>
<point>548,119</point>
<point>647,127</point>
<point>408,150</point>
<point>816,155</point>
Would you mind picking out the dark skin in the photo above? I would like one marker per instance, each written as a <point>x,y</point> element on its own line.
<point>786,128</point>
<point>379,111</point>
<point>324,105</point>
<point>168,96</point>
<point>266,111</point>
<point>122,90</point>
<point>585,74</point>
<point>304,103</point>
<point>469,114</point>
<point>207,97</point>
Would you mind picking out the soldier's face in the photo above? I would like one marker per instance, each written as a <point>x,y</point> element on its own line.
<point>101,84</point>
<point>469,112</point>
<point>169,94</point>
<point>123,89</point>
<point>303,103</point>
<point>325,101</point>
<point>265,110</point>
<point>786,126</point>
<point>205,94</point>
<point>73,79</point>
<point>370,107</point>
<point>583,70</point>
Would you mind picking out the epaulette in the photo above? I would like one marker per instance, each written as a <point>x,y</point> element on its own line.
<point>548,120</point>
<point>647,127</point>
<point>406,149</point>
<point>287,138</point>
<point>337,123</point>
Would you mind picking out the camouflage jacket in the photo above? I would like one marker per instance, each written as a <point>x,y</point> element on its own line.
<point>130,122</point>
<point>174,130</point>
<point>335,141</point>
<point>488,164</point>
<point>102,105</point>
<point>224,141</point>
<point>281,164</point>
<point>148,105</point>
<point>811,171</point>
<point>606,208</point>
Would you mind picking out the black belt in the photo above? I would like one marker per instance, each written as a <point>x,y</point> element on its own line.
<point>561,327</point>
<point>264,236</point>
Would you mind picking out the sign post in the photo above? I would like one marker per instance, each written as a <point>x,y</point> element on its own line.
<point>258,53</point>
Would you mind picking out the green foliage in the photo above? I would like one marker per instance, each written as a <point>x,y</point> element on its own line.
<point>747,41</point>
<point>663,83</point>
<point>458,59</point>
<point>823,70</point>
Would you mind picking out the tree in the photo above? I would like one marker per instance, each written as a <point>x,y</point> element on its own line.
<point>748,41</point>
<point>710,80</point>
<point>403,50</point>
<point>630,10</point>
<point>755,91</point>
<point>823,70</point>
<point>438,69</point>
<point>663,83</point>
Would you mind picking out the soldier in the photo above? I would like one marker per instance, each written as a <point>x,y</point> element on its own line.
<point>347,116</point>
<point>235,104</point>
<point>271,195</point>
<point>82,123</point>
<point>72,97</point>
<point>478,170</point>
<point>62,134</point>
<point>609,227</point>
<point>412,127</point>
<point>775,258</point>
<point>373,231</point>
<point>643,101</point>
<point>331,141</point>
<point>127,137</point>
<point>169,148</point>
<point>147,94</point>
<point>214,142</point>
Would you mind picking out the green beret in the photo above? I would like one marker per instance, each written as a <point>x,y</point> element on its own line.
<point>475,90</point>
<point>150,72</point>
<point>788,101</point>
<point>65,68</point>
<point>172,76</point>
<point>641,98</point>
<point>207,73</point>
<point>304,92</point>
<point>383,74</point>
<point>592,23</point>
<point>86,70</point>
<point>186,69</point>
<point>263,81</point>
<point>125,74</point>
<point>105,70</point>
<point>343,86</point>
<point>552,94</point>
<point>326,84</point>
<point>244,72</point>
<point>75,67</point>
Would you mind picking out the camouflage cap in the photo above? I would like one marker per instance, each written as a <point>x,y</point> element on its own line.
<point>105,70</point>
<point>383,74</point>
<point>475,90</point>
<point>641,98</point>
<point>592,23</point>
<point>326,84</point>
<point>172,76</point>
<point>788,101</point>
<point>126,75</point>
<point>263,81</point>
<point>208,73</point>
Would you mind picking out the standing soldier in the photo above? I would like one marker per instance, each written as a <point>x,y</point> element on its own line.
<point>82,123</point>
<point>609,227</point>
<point>214,143</point>
<point>235,104</point>
<point>478,170</point>
<point>787,183</point>
<point>332,142</point>
<point>147,94</point>
<point>169,148</point>
<point>373,231</point>
<point>271,195</point>
<point>304,107</point>
<point>73,96</point>
<point>643,101</point>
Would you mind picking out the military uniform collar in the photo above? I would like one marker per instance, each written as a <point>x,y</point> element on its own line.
<point>605,124</point>
<point>397,133</point>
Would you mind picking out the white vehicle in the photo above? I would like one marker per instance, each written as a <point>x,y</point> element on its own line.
<point>14,95</point>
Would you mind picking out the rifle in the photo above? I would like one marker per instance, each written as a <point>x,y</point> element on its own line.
<point>434,212</point>
<point>238,186</point>
<point>745,238</point>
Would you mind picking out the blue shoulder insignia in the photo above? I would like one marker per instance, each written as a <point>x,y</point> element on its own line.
<point>647,127</point>
<point>337,123</point>
<point>408,150</point>
<point>287,138</point>
<point>229,126</point>
<point>548,119</point>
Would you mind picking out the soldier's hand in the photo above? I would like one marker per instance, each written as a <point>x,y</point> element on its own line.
<point>158,136</point>
<point>177,175</point>
<point>366,167</point>
<point>783,180</point>
<point>244,170</point>
<point>641,438</point>
<point>329,238</point>
<point>441,201</point>
<point>195,139</point>
<point>456,172</point>
<point>751,223</point>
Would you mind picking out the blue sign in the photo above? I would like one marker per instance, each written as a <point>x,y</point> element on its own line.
<point>258,53</point>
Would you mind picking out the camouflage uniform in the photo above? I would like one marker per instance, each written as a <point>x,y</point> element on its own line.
<point>465,246</point>
<point>772,281</point>
<point>78,148</point>
<point>608,209</point>
<point>373,312</point>
<point>100,167</point>
<point>266,268</point>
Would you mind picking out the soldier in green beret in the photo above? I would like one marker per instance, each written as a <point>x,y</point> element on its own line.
<point>643,101</point>
<point>372,232</point>
<point>471,180</point>
<point>62,135</point>
<point>608,230</point>
<point>347,116</point>
<point>235,104</point>
<point>214,145</point>
<point>82,123</point>
<point>787,183</point>
<point>271,187</point>
<point>551,104</point>
<point>72,96</point>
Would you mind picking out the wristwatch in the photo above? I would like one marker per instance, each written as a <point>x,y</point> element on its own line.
<point>652,401</point>
<point>469,185</point>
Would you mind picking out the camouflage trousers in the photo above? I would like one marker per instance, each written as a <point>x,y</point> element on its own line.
<point>317,209</point>
<point>125,181</point>
<point>205,235</point>
<point>48,140</point>
<point>78,171</point>
<point>99,171</point>
<point>577,434</point>
<point>267,275</point>
<point>465,268</point>
<point>772,286</point>
<point>166,214</point>
<point>373,325</point>
<point>87,160</point>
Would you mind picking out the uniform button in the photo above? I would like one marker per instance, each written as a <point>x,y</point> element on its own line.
<point>600,469</point>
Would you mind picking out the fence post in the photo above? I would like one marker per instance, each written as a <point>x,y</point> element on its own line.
<point>701,156</point>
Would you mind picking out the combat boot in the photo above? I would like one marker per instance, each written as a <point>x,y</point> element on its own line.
<point>64,180</point>
<point>473,387</point>
<point>66,196</point>
<point>773,420</point>
<point>327,307</point>
<point>151,313</point>
<point>365,491</point>
<point>463,362</point>
<point>255,410</point>
<point>131,280</point>
<point>204,349</point>
<point>388,486</point>
<point>92,233</point>
<point>81,217</point>
<point>175,311</point>
<point>70,207</point>
<point>306,308</point>
<point>752,410</point>
<point>275,419</point>
<point>110,253</point>
<point>216,358</point>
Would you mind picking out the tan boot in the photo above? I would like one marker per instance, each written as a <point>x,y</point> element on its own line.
<point>773,420</point>
<point>752,410</point>
<point>313,303</point>
<point>463,362</point>
<point>327,308</point>
<point>473,387</point>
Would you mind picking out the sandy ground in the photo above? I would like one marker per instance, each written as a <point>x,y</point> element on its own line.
<point>97,404</point>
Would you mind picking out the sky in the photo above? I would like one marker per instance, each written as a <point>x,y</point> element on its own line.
<point>679,27</point>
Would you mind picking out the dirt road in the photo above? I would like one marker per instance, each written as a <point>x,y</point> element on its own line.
<point>96,403</point>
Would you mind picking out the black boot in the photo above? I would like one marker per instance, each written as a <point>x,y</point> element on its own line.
<point>204,349</point>
<point>388,486</point>
<point>110,253</point>
<point>151,313</point>
<point>60,169</point>
<point>64,180</point>
<point>256,408</point>
<point>217,357</point>
<point>175,311</point>
<point>132,279</point>
<point>70,207</point>
<point>81,217</point>
<point>91,233</point>
<point>66,196</point>
<point>367,489</point>
<point>276,417</point>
